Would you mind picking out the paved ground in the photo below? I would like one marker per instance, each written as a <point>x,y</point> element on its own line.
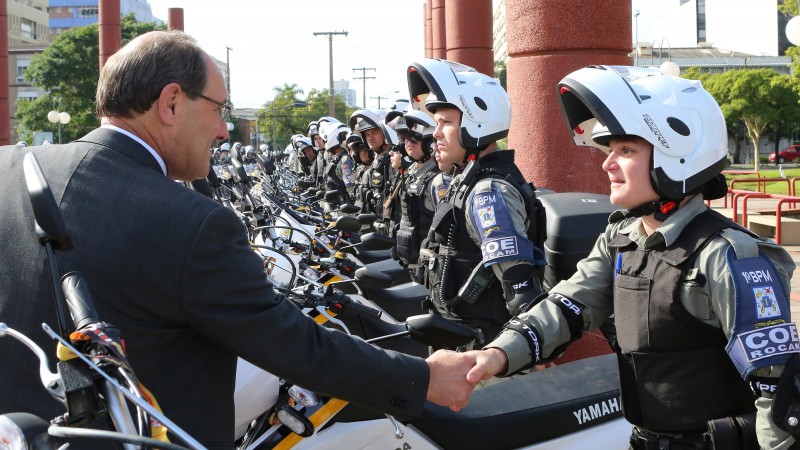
<point>768,204</point>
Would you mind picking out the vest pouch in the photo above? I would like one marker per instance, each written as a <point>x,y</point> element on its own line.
<point>407,244</point>
<point>682,391</point>
<point>630,306</point>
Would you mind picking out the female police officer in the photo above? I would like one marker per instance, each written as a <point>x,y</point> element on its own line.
<point>700,304</point>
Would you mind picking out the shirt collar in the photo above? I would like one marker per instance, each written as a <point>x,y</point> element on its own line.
<point>667,233</point>
<point>157,157</point>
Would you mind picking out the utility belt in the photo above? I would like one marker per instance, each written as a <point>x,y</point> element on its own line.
<point>727,433</point>
<point>644,440</point>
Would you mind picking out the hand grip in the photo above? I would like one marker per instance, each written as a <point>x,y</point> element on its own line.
<point>79,300</point>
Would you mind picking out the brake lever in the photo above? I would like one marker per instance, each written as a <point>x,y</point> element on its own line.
<point>324,311</point>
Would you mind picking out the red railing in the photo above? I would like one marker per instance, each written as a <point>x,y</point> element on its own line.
<point>736,194</point>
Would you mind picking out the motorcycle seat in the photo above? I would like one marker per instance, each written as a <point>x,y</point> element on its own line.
<point>400,301</point>
<point>530,408</point>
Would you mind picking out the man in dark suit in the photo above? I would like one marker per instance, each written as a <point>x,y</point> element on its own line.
<point>173,269</point>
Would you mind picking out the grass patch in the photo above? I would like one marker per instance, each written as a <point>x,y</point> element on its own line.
<point>774,187</point>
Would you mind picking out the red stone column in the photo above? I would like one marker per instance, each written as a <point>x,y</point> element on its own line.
<point>438,28</point>
<point>469,33</point>
<point>175,19</point>
<point>110,29</point>
<point>546,41</point>
<point>428,30</point>
<point>5,115</point>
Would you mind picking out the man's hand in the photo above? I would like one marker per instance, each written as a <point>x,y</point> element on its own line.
<point>488,363</point>
<point>448,384</point>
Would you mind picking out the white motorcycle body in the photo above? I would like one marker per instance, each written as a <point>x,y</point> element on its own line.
<point>575,406</point>
<point>380,434</point>
<point>256,392</point>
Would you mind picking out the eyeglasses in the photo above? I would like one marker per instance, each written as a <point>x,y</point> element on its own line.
<point>225,108</point>
<point>410,137</point>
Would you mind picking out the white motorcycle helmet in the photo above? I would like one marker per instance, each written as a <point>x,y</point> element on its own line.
<point>421,127</point>
<point>484,104</point>
<point>337,136</point>
<point>394,117</point>
<point>328,128</point>
<point>677,116</point>
<point>225,147</point>
<point>366,119</point>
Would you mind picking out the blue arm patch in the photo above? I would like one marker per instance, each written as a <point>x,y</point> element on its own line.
<point>763,333</point>
<point>499,239</point>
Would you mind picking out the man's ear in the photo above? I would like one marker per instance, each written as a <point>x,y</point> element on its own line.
<point>167,102</point>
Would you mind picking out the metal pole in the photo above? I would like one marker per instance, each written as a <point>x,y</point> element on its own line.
<point>330,34</point>
<point>636,44</point>
<point>363,79</point>
<point>331,100</point>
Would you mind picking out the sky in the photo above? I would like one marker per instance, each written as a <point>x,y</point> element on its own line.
<point>272,43</point>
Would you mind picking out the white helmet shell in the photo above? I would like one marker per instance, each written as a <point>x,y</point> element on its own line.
<point>420,122</point>
<point>484,104</point>
<point>366,119</point>
<point>337,136</point>
<point>677,116</point>
<point>225,147</point>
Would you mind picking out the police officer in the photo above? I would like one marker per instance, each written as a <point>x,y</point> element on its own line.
<point>362,157</point>
<point>306,155</point>
<point>700,304</point>
<point>478,259</point>
<point>340,168</point>
<point>420,196</point>
<point>380,139</point>
<point>225,153</point>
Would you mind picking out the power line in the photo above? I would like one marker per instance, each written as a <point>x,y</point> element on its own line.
<point>330,34</point>
<point>379,100</point>
<point>364,79</point>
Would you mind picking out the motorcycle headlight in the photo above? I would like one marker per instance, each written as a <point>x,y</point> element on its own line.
<point>11,436</point>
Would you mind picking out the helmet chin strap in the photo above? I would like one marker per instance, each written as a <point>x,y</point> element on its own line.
<point>660,209</point>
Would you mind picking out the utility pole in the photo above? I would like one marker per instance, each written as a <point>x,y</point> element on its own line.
<point>379,100</point>
<point>364,79</point>
<point>228,64</point>
<point>330,34</point>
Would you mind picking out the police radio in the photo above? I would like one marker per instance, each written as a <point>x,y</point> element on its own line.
<point>478,281</point>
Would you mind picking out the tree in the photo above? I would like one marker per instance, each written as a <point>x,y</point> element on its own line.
<point>282,119</point>
<point>788,7</point>
<point>500,73</point>
<point>787,101</point>
<point>68,69</point>
<point>751,96</point>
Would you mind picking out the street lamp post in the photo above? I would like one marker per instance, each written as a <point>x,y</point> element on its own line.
<point>58,117</point>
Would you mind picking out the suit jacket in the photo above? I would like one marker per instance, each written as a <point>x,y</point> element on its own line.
<point>173,270</point>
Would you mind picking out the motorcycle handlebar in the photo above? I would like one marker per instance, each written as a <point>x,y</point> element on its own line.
<point>343,302</point>
<point>79,300</point>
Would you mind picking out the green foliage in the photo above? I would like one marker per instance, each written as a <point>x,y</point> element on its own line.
<point>758,97</point>
<point>788,7</point>
<point>500,73</point>
<point>68,69</point>
<point>280,119</point>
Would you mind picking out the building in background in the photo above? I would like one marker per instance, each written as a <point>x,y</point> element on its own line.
<point>28,22</point>
<point>756,28</point>
<point>28,34</point>
<point>66,14</point>
<point>342,88</point>
<point>499,32</point>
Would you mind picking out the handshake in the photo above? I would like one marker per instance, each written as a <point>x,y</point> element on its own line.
<point>453,376</point>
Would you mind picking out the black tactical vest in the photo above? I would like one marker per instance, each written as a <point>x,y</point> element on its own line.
<point>675,374</point>
<point>416,218</point>
<point>457,254</point>
<point>377,177</point>
<point>334,181</point>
